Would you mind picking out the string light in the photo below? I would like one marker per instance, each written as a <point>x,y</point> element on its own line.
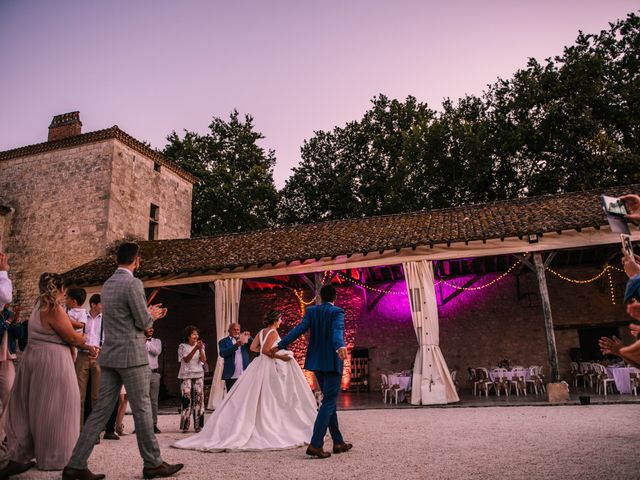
<point>612,290</point>
<point>606,270</point>
<point>369,288</point>
<point>492,282</point>
<point>581,282</point>
<point>300,294</point>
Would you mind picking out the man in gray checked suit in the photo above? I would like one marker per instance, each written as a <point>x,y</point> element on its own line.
<point>123,359</point>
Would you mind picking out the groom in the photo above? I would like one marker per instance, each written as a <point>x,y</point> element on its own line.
<point>325,355</point>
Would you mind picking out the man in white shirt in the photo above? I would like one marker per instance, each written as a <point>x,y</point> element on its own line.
<point>154,349</point>
<point>87,366</point>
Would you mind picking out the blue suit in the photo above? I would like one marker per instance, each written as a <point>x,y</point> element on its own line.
<point>227,349</point>
<point>326,325</point>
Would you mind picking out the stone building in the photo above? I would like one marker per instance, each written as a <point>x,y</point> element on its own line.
<point>64,201</point>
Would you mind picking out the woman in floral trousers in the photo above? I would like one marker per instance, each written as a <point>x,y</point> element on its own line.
<point>191,357</point>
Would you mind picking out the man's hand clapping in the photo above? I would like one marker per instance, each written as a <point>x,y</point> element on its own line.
<point>157,312</point>
<point>610,346</point>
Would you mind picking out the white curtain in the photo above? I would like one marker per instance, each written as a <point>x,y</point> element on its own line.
<point>432,382</point>
<point>227,306</point>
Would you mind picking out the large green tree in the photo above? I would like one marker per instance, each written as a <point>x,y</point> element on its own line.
<point>236,191</point>
<point>569,123</point>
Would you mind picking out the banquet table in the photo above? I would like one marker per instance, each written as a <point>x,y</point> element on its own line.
<point>621,377</point>
<point>509,375</point>
<point>403,380</point>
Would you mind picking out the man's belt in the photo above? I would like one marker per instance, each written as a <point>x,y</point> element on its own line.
<point>154,370</point>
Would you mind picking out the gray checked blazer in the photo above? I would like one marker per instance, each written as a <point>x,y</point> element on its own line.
<point>125,317</point>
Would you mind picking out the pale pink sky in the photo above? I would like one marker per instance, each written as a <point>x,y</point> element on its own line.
<point>153,66</point>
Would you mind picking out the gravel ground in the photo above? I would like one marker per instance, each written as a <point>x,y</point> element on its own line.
<point>551,442</point>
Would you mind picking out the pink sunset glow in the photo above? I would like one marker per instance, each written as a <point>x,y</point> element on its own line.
<point>156,66</point>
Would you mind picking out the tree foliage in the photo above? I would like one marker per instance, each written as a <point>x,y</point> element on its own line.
<point>570,123</point>
<point>236,191</point>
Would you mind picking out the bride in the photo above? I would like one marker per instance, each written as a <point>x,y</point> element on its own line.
<point>270,407</point>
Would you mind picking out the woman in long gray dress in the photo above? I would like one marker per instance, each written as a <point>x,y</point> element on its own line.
<point>43,421</point>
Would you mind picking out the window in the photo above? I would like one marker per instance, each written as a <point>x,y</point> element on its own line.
<point>154,215</point>
<point>156,166</point>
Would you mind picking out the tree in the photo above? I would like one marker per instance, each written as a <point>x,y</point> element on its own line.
<point>570,123</point>
<point>236,191</point>
<point>363,168</point>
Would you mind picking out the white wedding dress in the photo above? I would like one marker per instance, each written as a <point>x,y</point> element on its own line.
<point>270,407</point>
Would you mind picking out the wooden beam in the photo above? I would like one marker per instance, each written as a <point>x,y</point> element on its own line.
<point>552,351</point>
<point>457,292</point>
<point>379,296</point>
<point>318,281</point>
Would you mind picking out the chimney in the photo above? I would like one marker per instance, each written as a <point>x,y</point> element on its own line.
<point>65,125</point>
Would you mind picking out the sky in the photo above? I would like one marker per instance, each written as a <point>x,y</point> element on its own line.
<point>155,66</point>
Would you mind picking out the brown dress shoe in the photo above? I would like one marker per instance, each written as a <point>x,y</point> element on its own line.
<point>15,468</point>
<point>80,474</point>
<point>317,452</point>
<point>164,470</point>
<point>342,447</point>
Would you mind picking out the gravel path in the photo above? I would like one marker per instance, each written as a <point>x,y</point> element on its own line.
<point>581,442</point>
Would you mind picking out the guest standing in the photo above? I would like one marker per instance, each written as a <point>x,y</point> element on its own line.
<point>123,360</point>
<point>154,349</point>
<point>235,351</point>
<point>43,421</point>
<point>87,367</point>
<point>191,356</point>
<point>11,330</point>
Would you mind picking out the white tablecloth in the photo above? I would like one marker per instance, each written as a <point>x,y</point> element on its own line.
<point>403,380</point>
<point>509,375</point>
<point>621,378</point>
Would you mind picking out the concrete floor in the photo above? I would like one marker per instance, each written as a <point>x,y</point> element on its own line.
<point>527,442</point>
<point>373,400</point>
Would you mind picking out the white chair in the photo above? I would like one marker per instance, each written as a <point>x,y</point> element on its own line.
<point>603,379</point>
<point>518,380</point>
<point>634,380</point>
<point>536,380</point>
<point>500,381</point>
<point>484,382</point>
<point>576,374</point>
<point>589,373</point>
<point>395,392</point>
<point>385,388</point>
<point>454,375</point>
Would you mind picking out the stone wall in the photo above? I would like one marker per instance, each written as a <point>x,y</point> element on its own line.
<point>135,185</point>
<point>60,200</point>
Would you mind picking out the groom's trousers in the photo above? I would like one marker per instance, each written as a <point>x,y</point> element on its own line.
<point>329,383</point>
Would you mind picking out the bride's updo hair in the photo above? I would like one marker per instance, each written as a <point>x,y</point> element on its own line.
<point>50,285</point>
<point>271,317</point>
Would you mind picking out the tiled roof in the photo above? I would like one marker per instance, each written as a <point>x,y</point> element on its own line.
<point>503,219</point>
<point>98,136</point>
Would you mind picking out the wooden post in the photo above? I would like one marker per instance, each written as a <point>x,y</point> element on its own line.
<point>318,279</point>
<point>552,352</point>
